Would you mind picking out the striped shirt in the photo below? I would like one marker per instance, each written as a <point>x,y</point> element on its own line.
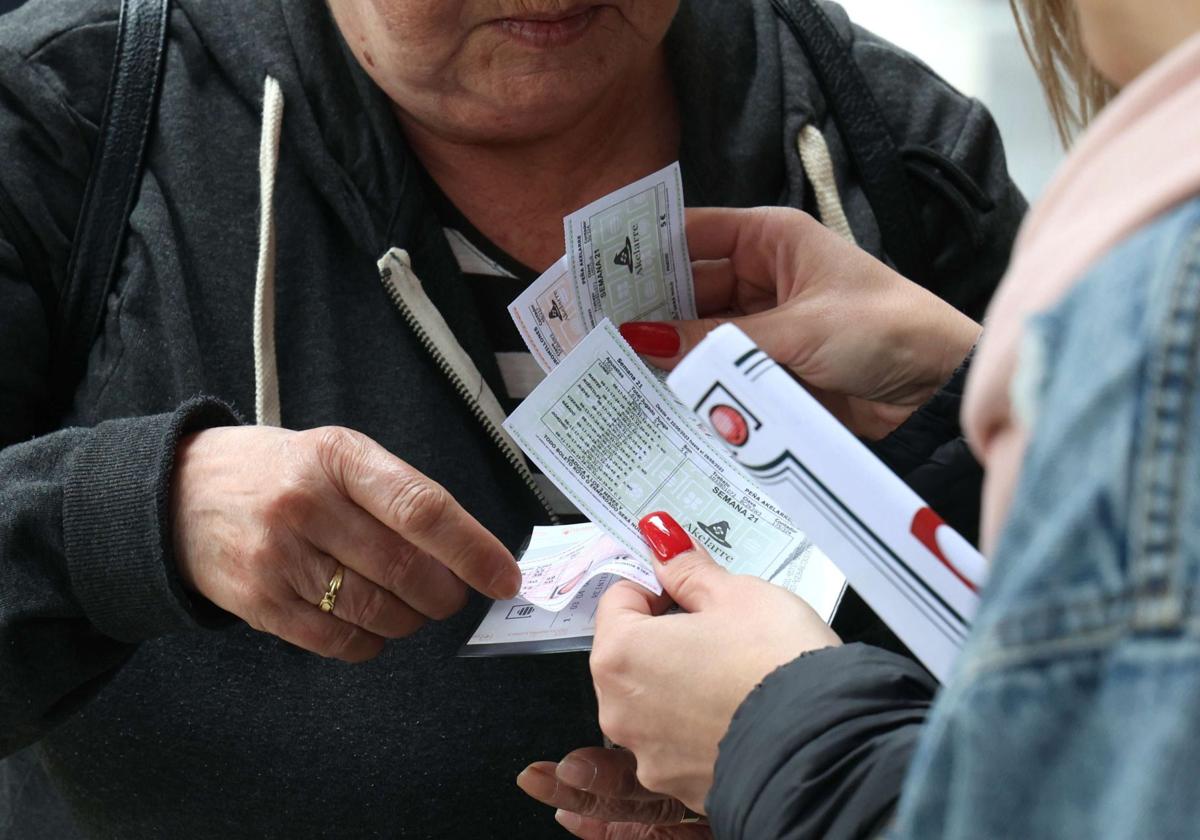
<point>495,280</point>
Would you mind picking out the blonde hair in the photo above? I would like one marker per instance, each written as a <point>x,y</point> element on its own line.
<point>1074,89</point>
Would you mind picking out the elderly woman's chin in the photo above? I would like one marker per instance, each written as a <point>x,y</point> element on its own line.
<point>502,68</point>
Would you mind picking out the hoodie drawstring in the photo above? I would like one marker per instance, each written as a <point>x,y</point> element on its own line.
<point>266,372</point>
<point>818,167</point>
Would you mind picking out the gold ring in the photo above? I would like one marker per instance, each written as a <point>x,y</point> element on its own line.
<point>331,594</point>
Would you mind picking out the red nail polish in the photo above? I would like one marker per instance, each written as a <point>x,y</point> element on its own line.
<point>651,338</point>
<point>665,535</point>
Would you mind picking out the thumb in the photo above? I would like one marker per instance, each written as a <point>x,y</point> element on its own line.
<point>665,343</point>
<point>687,572</point>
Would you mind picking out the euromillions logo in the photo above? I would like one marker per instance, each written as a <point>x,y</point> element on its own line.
<point>556,311</point>
<point>719,531</point>
<point>625,256</point>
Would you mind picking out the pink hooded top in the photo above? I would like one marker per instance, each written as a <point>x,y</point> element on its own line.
<point>1140,159</point>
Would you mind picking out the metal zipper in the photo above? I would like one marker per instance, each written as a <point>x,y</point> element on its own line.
<point>511,453</point>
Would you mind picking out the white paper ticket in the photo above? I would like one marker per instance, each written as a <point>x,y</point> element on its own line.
<point>621,446</point>
<point>519,628</point>
<point>548,317</point>
<point>561,560</point>
<point>627,260</point>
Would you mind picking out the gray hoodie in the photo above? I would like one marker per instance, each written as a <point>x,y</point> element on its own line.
<point>130,707</point>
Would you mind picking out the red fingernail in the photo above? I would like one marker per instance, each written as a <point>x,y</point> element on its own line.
<point>665,535</point>
<point>651,339</point>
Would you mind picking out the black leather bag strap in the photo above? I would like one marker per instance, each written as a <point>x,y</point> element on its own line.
<point>872,148</point>
<point>113,183</point>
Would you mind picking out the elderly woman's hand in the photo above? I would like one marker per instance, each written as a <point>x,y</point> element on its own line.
<point>264,518</point>
<point>871,345</point>
<point>668,685</point>
<point>598,797</point>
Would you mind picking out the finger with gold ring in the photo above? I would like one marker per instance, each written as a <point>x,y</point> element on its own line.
<point>331,593</point>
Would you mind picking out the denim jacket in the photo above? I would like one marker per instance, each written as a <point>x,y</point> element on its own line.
<point>1075,707</point>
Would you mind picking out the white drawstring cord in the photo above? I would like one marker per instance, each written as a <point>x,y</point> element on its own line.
<point>818,166</point>
<point>266,373</point>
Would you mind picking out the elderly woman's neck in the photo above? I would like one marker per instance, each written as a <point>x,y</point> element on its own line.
<point>515,191</point>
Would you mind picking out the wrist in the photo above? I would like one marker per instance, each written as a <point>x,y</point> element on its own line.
<point>960,339</point>
<point>930,346</point>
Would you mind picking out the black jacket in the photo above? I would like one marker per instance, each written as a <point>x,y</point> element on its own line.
<point>152,716</point>
<point>820,749</point>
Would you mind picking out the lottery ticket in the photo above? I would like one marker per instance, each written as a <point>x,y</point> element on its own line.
<point>626,260</point>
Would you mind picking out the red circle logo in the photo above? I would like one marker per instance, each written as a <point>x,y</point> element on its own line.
<point>730,424</point>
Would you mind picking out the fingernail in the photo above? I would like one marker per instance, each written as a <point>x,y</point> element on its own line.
<point>579,773</point>
<point>567,820</point>
<point>665,535</point>
<point>651,339</point>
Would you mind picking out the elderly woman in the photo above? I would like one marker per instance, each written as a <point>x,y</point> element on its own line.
<point>168,568</point>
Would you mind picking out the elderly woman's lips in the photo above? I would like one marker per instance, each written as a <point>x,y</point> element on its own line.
<point>554,32</point>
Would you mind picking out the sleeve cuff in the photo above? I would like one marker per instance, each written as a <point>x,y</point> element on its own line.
<point>931,426</point>
<point>117,529</point>
<point>821,747</point>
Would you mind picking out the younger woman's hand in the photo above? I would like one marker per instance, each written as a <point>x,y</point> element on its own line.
<point>871,345</point>
<point>668,685</point>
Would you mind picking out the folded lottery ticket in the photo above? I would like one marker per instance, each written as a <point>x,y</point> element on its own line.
<point>561,560</point>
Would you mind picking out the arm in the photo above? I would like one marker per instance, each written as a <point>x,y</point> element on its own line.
<point>137,527</point>
<point>808,738</point>
<point>87,570</point>
<point>85,565</point>
<point>820,748</point>
<point>882,354</point>
<point>1089,624</point>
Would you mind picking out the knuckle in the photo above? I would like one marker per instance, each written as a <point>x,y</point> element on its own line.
<point>407,625</point>
<point>369,609</point>
<point>399,569</point>
<point>259,618</point>
<point>607,661</point>
<point>418,504</point>
<point>650,777</point>
<point>690,578</point>
<point>263,549</point>
<point>335,448</point>
<point>257,596</point>
<point>453,605</point>
<point>342,644</point>
<point>614,726</point>
<point>785,215</point>
<point>292,501</point>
